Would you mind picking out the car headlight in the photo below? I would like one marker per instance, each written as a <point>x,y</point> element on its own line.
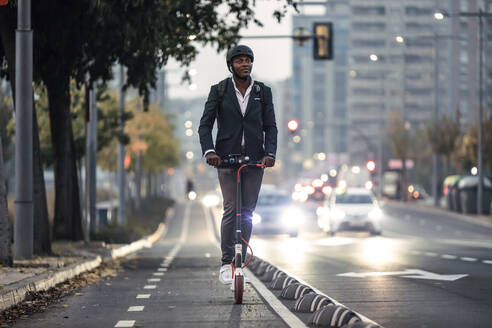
<point>211,200</point>
<point>292,217</point>
<point>375,214</point>
<point>256,218</point>
<point>337,214</point>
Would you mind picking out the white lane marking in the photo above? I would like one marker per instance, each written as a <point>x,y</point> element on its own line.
<point>408,273</point>
<point>150,287</point>
<point>135,308</point>
<point>487,261</point>
<point>290,318</point>
<point>415,252</point>
<point>143,296</point>
<point>154,279</point>
<point>158,273</point>
<point>449,257</point>
<point>125,323</point>
<point>162,269</point>
<point>468,259</point>
<point>430,254</point>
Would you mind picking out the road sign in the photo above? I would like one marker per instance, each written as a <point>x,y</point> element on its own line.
<point>408,273</point>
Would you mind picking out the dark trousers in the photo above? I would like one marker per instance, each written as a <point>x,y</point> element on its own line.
<point>251,178</point>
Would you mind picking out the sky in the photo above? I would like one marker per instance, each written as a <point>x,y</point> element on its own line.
<point>273,57</point>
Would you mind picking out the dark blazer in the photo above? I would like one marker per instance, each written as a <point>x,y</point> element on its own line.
<point>260,129</point>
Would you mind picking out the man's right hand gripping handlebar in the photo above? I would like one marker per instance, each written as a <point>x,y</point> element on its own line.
<point>213,159</point>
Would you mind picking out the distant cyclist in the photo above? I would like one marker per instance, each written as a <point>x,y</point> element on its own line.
<point>246,125</point>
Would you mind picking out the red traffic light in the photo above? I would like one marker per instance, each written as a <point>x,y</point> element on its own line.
<point>4,2</point>
<point>371,166</point>
<point>292,125</point>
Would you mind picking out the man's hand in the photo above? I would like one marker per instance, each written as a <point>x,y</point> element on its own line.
<point>268,161</point>
<point>213,159</point>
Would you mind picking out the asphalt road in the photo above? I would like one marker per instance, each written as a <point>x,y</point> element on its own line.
<point>426,270</point>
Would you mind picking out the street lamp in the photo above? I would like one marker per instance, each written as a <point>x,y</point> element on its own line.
<point>400,39</point>
<point>480,15</point>
<point>373,57</point>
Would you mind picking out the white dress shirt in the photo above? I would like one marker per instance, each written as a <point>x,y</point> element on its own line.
<point>243,104</point>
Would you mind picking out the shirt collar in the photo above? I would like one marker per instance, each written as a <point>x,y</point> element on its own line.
<point>248,90</point>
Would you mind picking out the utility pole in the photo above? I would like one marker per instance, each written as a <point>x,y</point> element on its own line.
<point>90,166</point>
<point>23,224</point>
<point>435,158</point>
<point>480,116</point>
<point>121,154</point>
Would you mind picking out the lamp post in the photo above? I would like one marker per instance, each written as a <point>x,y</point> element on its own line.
<point>23,224</point>
<point>480,15</point>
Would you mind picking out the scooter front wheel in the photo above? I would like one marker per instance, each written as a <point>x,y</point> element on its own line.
<point>238,289</point>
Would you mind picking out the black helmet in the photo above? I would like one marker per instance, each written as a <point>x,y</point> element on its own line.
<point>238,51</point>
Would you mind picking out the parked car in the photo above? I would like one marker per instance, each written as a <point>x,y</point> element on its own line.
<point>276,213</point>
<point>356,209</point>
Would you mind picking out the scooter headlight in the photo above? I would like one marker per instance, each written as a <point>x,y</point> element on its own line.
<point>256,218</point>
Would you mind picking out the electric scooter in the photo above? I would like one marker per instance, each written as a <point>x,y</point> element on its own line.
<point>239,162</point>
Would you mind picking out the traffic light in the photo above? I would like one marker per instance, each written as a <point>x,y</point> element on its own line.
<point>323,41</point>
<point>292,125</point>
<point>4,2</point>
<point>371,166</point>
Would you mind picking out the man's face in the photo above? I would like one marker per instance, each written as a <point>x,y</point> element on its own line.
<point>242,66</point>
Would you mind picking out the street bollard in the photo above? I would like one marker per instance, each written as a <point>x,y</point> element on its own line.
<point>311,302</point>
<point>295,291</point>
<point>333,316</point>
<point>281,282</point>
<point>360,324</point>
<point>270,275</point>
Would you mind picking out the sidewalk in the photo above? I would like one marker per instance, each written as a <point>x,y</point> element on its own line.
<point>426,206</point>
<point>73,258</point>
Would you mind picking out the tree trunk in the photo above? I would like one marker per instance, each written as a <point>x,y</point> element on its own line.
<point>42,235</point>
<point>148,193</point>
<point>138,182</point>
<point>68,216</point>
<point>5,235</point>
<point>42,238</point>
<point>403,180</point>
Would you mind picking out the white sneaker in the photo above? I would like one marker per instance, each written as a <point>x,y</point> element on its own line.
<point>225,274</point>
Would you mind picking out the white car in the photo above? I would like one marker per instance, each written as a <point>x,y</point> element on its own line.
<point>276,213</point>
<point>356,210</point>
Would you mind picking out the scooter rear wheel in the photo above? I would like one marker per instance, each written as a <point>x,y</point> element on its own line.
<point>238,289</point>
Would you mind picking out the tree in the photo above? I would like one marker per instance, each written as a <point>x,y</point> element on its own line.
<point>467,156</point>
<point>83,39</point>
<point>401,143</point>
<point>444,136</point>
<point>42,237</point>
<point>152,146</point>
<point>5,235</point>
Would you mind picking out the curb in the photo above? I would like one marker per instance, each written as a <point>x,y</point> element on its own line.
<point>478,220</point>
<point>16,293</point>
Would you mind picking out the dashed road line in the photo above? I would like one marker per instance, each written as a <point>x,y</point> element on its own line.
<point>468,259</point>
<point>162,269</point>
<point>150,287</point>
<point>158,274</point>
<point>154,280</point>
<point>143,296</point>
<point>449,257</point>
<point>431,254</point>
<point>487,261</point>
<point>125,324</point>
<point>139,308</point>
<point>415,252</point>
